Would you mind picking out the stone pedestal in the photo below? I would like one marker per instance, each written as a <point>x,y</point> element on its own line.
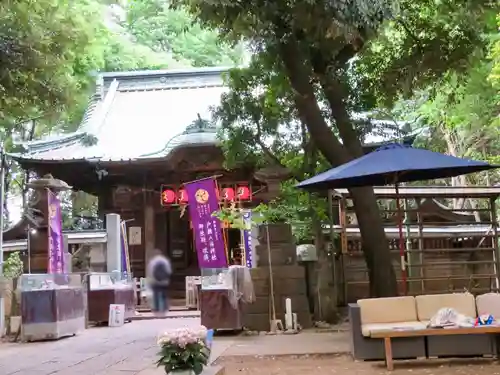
<point>288,279</point>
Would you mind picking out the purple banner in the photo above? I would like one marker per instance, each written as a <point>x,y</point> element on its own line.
<point>247,238</point>
<point>56,251</point>
<point>203,202</point>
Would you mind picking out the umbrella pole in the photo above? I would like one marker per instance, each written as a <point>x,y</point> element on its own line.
<point>401,240</point>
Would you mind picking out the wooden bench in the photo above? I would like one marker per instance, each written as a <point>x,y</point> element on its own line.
<point>387,335</point>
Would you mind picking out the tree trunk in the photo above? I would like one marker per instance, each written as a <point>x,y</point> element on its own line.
<point>453,150</point>
<point>374,242</point>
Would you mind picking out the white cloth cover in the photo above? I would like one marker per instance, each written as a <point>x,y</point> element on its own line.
<point>448,317</point>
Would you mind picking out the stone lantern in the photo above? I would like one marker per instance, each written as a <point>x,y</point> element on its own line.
<point>272,176</point>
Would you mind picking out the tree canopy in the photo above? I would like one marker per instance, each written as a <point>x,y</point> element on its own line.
<point>328,60</point>
<point>52,50</point>
<point>154,24</point>
<point>315,68</point>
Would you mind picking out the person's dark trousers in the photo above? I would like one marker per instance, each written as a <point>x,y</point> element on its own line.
<point>160,298</point>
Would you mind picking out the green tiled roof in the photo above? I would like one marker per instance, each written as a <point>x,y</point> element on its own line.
<point>136,115</point>
<point>145,114</point>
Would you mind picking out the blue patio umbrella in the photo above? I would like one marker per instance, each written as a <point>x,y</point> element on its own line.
<point>392,164</point>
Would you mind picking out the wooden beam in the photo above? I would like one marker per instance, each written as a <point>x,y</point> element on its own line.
<point>432,192</point>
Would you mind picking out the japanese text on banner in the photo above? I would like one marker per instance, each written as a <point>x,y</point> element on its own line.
<point>203,202</point>
<point>56,251</point>
<point>247,237</point>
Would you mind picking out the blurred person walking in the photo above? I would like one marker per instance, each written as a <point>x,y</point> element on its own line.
<point>159,274</point>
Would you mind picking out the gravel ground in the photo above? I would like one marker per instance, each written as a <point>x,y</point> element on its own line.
<point>322,365</point>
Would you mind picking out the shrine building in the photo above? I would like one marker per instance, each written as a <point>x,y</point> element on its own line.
<point>145,133</point>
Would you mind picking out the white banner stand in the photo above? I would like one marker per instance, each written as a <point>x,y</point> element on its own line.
<point>116,315</point>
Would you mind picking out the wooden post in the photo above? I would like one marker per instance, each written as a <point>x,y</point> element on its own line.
<point>149,233</point>
<point>421,242</point>
<point>388,353</point>
<point>494,242</point>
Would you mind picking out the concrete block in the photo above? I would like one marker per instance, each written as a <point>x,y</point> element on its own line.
<point>256,322</point>
<point>277,259</point>
<point>290,287</point>
<point>278,233</point>
<point>289,272</point>
<point>279,272</point>
<point>261,287</point>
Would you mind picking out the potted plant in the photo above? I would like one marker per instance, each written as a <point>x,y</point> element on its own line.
<point>184,351</point>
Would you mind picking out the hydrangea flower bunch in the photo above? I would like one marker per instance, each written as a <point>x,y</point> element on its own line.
<point>183,349</point>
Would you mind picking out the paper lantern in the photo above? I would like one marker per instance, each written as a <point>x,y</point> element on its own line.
<point>182,196</point>
<point>168,196</point>
<point>227,194</point>
<point>243,193</point>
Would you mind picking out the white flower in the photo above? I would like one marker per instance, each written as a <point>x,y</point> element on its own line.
<point>183,336</point>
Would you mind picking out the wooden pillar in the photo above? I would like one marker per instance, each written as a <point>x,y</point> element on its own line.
<point>149,232</point>
<point>494,243</point>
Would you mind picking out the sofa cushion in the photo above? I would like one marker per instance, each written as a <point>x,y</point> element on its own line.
<point>428,305</point>
<point>487,304</point>
<point>387,310</point>
<point>368,329</point>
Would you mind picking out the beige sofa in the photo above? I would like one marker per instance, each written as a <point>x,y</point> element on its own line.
<point>415,313</point>
<point>388,313</point>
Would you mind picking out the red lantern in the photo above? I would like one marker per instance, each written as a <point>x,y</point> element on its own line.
<point>243,193</point>
<point>227,194</point>
<point>182,196</point>
<point>168,196</point>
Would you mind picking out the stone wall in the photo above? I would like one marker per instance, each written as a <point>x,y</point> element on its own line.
<point>288,279</point>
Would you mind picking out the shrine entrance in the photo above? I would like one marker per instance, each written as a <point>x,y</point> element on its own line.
<point>180,245</point>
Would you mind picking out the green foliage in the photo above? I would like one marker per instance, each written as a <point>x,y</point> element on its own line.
<point>425,40</point>
<point>495,55</point>
<point>297,208</point>
<point>232,216</point>
<point>52,50</point>
<point>13,266</point>
<point>459,111</point>
<point>259,125</point>
<point>47,48</point>
<point>193,356</point>
<point>256,116</point>
<point>173,31</point>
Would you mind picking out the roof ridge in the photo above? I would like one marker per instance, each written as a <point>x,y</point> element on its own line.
<point>164,72</point>
<point>94,100</point>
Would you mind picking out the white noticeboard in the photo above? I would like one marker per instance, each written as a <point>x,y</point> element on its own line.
<point>134,236</point>
<point>116,315</point>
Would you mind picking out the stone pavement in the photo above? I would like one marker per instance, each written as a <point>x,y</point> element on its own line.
<point>172,314</point>
<point>131,349</point>
<point>306,342</point>
<point>97,351</point>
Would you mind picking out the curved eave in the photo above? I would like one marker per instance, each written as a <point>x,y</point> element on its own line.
<point>158,156</point>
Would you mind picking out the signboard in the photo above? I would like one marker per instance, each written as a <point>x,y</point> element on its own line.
<point>134,236</point>
<point>230,193</point>
<point>55,236</point>
<point>116,315</point>
<point>202,197</point>
<point>307,253</point>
